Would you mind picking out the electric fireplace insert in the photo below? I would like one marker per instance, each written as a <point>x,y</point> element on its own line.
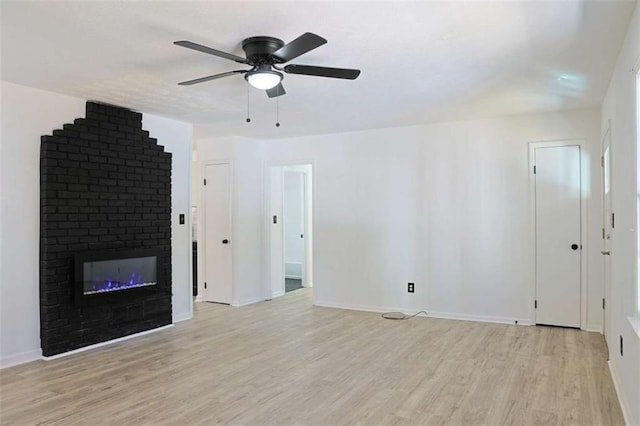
<point>104,276</point>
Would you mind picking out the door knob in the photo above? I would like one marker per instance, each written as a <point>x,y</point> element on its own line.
<point>574,247</point>
<point>225,241</point>
<point>606,253</point>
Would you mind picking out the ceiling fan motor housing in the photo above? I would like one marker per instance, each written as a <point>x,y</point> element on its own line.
<point>259,50</point>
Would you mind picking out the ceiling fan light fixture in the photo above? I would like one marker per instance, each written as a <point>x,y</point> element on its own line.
<point>263,79</point>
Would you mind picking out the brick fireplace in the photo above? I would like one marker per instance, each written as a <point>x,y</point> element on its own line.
<point>105,194</point>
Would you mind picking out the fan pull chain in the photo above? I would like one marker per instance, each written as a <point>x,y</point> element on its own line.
<point>248,92</point>
<point>278,106</point>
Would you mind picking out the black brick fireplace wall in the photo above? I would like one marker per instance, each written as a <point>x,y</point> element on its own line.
<point>104,185</point>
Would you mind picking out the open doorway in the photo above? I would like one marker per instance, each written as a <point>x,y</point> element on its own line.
<point>290,228</point>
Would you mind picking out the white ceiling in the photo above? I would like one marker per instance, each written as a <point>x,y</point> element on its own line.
<point>421,61</point>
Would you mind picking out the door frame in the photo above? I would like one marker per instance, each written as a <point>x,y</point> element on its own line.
<point>584,168</point>
<point>201,231</point>
<point>606,289</point>
<point>304,264</point>
<point>266,190</point>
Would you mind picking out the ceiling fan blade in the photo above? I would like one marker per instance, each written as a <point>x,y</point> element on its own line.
<point>346,73</point>
<point>211,77</point>
<point>276,91</point>
<point>303,44</point>
<point>210,51</point>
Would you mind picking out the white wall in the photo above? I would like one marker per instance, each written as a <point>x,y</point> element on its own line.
<point>1,208</point>
<point>293,219</point>
<point>26,115</point>
<point>275,231</point>
<point>619,107</point>
<point>307,280</point>
<point>177,138</point>
<point>249,284</point>
<point>445,206</point>
<point>195,196</point>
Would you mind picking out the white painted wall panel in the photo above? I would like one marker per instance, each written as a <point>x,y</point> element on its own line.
<point>445,206</point>
<point>177,138</point>
<point>275,233</point>
<point>619,106</point>
<point>27,114</point>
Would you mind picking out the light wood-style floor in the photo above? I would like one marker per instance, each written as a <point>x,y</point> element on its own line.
<point>285,362</point>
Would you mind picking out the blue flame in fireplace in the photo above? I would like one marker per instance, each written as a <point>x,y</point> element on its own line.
<point>134,280</point>
<point>119,274</point>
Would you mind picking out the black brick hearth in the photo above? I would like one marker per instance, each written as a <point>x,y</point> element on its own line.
<point>104,185</point>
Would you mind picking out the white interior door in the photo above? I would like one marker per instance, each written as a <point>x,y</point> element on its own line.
<point>558,236</point>
<point>294,224</point>
<point>607,222</point>
<point>217,233</point>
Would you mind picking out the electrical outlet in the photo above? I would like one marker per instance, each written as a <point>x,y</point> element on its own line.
<point>410,287</point>
<point>621,346</point>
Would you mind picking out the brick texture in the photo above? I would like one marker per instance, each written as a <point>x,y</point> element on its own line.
<point>104,185</point>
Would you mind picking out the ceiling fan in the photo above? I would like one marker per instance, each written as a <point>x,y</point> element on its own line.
<point>264,55</point>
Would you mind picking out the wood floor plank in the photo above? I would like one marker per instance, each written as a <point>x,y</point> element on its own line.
<point>286,362</point>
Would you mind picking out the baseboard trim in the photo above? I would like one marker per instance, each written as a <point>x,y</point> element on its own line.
<point>594,328</point>
<point>182,317</point>
<point>277,294</point>
<point>247,302</point>
<point>480,318</point>
<point>626,412</point>
<point>293,269</point>
<point>432,314</point>
<point>21,358</point>
<point>199,298</point>
<point>365,308</point>
<point>101,344</point>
